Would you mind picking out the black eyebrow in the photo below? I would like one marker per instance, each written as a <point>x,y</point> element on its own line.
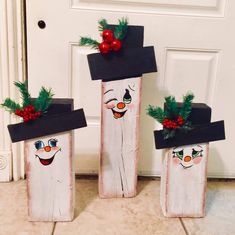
<point>108,91</point>
<point>130,88</point>
<point>110,100</point>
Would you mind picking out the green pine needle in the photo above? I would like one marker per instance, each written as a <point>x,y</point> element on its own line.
<point>87,41</point>
<point>171,107</point>
<point>156,112</point>
<point>22,86</point>
<point>187,105</point>
<point>44,100</point>
<point>103,25</point>
<point>121,29</point>
<point>10,105</point>
<point>168,133</point>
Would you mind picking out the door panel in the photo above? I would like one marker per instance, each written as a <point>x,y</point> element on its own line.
<point>194,44</point>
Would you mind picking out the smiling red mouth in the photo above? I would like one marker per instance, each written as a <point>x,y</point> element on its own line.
<point>46,162</point>
<point>118,114</point>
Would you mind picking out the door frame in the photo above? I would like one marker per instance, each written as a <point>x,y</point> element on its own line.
<point>13,68</point>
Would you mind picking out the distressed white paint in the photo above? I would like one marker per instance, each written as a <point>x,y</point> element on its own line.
<point>119,138</point>
<point>50,187</point>
<point>200,50</point>
<point>183,182</point>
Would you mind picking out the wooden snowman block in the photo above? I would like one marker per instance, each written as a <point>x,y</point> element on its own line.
<point>49,160</point>
<point>121,74</point>
<point>185,139</point>
<point>50,177</point>
<point>183,181</point>
<point>119,138</point>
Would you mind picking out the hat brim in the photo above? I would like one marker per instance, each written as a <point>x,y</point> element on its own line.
<point>199,134</point>
<point>47,125</point>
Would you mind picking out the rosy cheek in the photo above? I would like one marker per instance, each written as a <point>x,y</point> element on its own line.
<point>55,148</point>
<point>176,161</point>
<point>40,150</point>
<point>197,160</point>
<point>109,105</point>
<point>130,106</point>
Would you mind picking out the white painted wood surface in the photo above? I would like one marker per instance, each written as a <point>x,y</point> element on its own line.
<point>50,187</point>
<point>119,137</point>
<point>12,68</point>
<point>183,181</point>
<point>194,52</point>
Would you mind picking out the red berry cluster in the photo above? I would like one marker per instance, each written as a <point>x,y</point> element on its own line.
<point>110,43</point>
<point>28,113</point>
<point>170,124</point>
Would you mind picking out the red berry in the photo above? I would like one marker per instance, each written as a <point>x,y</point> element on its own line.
<point>104,47</point>
<point>107,35</point>
<point>116,45</point>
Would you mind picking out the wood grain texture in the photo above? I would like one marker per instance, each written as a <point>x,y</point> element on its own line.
<point>183,181</point>
<point>50,181</point>
<point>119,138</point>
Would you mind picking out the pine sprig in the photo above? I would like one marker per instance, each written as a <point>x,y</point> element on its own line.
<point>173,118</point>
<point>157,113</point>
<point>121,29</point>
<point>44,99</point>
<point>23,88</point>
<point>171,107</point>
<point>103,25</point>
<point>10,105</point>
<point>187,105</point>
<point>87,41</point>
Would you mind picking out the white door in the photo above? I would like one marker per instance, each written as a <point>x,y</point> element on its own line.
<point>194,45</point>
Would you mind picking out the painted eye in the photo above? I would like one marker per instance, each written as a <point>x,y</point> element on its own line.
<point>39,144</point>
<point>110,100</point>
<point>52,142</point>
<point>196,153</point>
<point>127,97</point>
<point>180,154</point>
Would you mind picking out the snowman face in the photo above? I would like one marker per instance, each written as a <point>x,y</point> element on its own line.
<point>119,101</point>
<point>187,156</point>
<point>46,150</point>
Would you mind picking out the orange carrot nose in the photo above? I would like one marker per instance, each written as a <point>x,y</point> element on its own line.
<point>187,159</point>
<point>47,148</point>
<point>121,105</point>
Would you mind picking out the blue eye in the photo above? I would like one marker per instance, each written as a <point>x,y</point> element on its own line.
<point>52,142</point>
<point>39,144</point>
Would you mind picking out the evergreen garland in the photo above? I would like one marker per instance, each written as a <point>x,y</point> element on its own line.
<point>103,25</point>
<point>117,35</point>
<point>121,29</point>
<point>29,109</point>
<point>173,118</point>
<point>87,41</point>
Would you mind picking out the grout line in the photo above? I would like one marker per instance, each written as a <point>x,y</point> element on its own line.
<point>53,228</point>
<point>183,225</point>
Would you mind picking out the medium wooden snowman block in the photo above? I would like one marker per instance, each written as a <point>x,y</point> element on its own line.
<point>48,154</point>
<point>121,74</point>
<point>185,139</point>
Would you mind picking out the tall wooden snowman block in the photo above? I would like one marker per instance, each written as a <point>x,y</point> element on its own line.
<point>49,156</point>
<point>185,139</point>
<point>120,69</point>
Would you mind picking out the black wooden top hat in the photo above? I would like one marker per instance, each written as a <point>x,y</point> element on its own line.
<point>60,117</point>
<point>132,60</point>
<point>203,129</point>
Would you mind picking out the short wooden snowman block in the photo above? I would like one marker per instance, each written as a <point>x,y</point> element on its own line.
<point>50,177</point>
<point>49,161</point>
<point>121,75</point>
<point>183,181</point>
<point>185,157</point>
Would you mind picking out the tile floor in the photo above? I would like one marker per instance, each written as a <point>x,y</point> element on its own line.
<point>135,216</point>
